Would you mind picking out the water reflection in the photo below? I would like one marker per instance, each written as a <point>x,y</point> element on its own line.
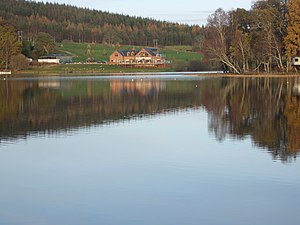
<point>296,87</point>
<point>137,87</point>
<point>265,109</point>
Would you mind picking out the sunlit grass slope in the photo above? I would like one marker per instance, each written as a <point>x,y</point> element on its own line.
<point>101,52</point>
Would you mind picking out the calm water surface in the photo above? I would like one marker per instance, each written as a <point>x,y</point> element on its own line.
<point>169,150</point>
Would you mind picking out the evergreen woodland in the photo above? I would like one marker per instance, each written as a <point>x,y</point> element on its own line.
<point>66,22</point>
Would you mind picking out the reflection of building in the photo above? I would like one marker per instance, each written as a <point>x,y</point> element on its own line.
<point>146,56</point>
<point>49,84</point>
<point>296,89</point>
<point>144,88</point>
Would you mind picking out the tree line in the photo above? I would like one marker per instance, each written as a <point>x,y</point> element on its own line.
<point>263,39</point>
<point>65,22</point>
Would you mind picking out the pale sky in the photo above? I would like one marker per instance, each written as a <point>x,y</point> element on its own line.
<point>183,11</point>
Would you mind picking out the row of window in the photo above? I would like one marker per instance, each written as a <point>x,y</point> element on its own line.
<point>143,54</point>
<point>136,61</point>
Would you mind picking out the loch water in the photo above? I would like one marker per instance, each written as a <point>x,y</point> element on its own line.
<point>149,150</point>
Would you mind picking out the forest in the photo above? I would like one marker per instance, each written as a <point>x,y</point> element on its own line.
<point>263,39</point>
<point>65,22</point>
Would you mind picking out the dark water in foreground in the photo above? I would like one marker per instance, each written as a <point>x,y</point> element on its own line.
<point>157,150</point>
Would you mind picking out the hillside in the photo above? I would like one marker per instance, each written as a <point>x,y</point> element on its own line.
<point>101,52</point>
<point>65,22</point>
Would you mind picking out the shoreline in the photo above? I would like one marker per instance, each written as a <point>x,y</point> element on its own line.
<point>50,71</point>
<point>73,70</point>
<point>196,74</point>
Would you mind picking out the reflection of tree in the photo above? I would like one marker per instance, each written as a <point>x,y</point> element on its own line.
<point>267,110</point>
<point>214,99</point>
<point>9,100</point>
<point>292,113</point>
<point>262,108</point>
<point>42,106</point>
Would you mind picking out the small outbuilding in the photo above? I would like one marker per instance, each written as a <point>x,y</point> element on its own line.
<point>55,59</point>
<point>296,61</point>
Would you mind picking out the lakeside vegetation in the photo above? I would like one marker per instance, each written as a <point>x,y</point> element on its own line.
<point>83,69</point>
<point>262,39</point>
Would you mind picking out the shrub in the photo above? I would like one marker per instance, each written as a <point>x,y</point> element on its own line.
<point>19,62</point>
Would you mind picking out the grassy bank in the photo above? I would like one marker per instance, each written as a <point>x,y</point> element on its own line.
<point>82,69</point>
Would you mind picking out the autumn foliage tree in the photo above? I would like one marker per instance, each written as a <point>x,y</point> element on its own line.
<point>254,40</point>
<point>9,45</point>
<point>292,39</point>
<point>215,45</point>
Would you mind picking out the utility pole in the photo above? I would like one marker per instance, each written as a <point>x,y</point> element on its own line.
<point>20,36</point>
<point>155,41</point>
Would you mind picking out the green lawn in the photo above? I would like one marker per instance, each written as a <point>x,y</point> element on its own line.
<point>175,56</point>
<point>180,53</point>
<point>80,50</point>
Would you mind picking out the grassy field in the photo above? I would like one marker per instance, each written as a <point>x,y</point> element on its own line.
<point>179,56</point>
<point>180,53</point>
<point>101,52</point>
